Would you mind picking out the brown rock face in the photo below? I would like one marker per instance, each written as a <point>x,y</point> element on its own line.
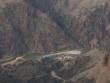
<point>50,26</point>
<point>80,20</point>
<point>25,29</point>
<point>46,26</point>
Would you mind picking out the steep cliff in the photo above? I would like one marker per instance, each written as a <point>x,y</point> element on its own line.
<point>50,26</point>
<point>25,29</point>
<point>83,21</point>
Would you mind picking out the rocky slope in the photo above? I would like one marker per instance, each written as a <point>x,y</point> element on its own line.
<point>83,21</point>
<point>25,29</point>
<point>85,68</point>
<point>49,26</point>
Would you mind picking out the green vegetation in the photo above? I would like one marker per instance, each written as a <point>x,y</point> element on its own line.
<point>28,56</point>
<point>108,81</point>
<point>104,47</point>
<point>7,57</point>
<point>33,56</point>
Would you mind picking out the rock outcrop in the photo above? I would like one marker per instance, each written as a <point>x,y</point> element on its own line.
<point>86,68</point>
<point>50,26</point>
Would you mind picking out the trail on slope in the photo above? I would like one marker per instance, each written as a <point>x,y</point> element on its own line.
<point>12,62</point>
